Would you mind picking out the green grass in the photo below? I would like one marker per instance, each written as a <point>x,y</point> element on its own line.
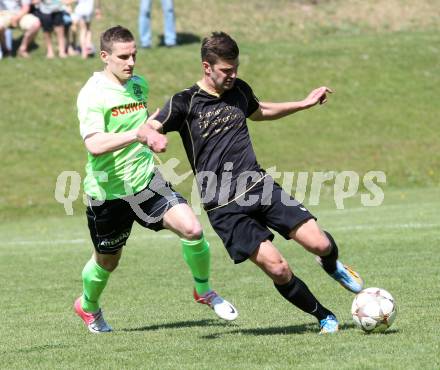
<point>148,300</point>
<point>382,116</point>
<point>380,56</point>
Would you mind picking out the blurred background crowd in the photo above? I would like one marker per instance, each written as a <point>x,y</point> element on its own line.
<point>67,26</point>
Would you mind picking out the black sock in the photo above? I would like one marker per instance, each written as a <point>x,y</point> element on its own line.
<point>329,261</point>
<point>297,292</point>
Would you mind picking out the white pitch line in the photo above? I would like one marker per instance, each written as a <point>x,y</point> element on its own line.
<point>389,226</point>
<point>210,235</point>
<point>382,207</point>
<point>78,241</point>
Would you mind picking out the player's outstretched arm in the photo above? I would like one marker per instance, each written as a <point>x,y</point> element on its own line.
<point>272,111</point>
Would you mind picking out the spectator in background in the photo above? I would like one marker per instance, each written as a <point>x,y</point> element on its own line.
<point>15,13</point>
<point>70,33</point>
<point>5,42</point>
<point>82,18</point>
<point>50,13</point>
<point>145,23</point>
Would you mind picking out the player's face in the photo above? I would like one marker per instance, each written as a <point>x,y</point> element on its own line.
<point>120,62</point>
<point>222,74</point>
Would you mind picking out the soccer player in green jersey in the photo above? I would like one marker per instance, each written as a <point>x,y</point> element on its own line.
<point>122,183</point>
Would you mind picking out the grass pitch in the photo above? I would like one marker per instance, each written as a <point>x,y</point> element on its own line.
<point>381,117</point>
<point>158,326</point>
<point>381,57</point>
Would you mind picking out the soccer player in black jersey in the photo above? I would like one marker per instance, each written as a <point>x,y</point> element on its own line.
<point>241,200</point>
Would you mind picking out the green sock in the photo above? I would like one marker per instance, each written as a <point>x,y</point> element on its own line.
<point>94,281</point>
<point>197,255</point>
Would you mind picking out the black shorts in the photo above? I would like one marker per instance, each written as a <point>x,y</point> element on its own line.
<point>110,221</point>
<point>243,228</point>
<point>48,21</point>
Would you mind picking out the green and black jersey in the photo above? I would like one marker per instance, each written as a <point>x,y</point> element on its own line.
<point>104,106</point>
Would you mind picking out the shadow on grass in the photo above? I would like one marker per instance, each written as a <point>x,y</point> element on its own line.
<point>177,325</point>
<point>274,330</point>
<point>388,332</point>
<point>353,326</point>
<point>183,38</point>
<point>347,326</point>
<point>288,330</point>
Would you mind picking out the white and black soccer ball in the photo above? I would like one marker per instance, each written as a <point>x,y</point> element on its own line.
<point>373,310</point>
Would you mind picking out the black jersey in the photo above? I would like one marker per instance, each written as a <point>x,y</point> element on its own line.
<point>216,139</point>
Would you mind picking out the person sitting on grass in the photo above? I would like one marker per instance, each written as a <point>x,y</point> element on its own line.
<point>51,15</point>
<point>16,14</point>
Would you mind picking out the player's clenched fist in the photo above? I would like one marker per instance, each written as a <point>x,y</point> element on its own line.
<point>153,139</point>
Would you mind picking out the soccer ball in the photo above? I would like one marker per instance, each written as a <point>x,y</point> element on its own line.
<point>373,310</point>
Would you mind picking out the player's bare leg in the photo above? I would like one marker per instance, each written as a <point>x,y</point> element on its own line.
<point>61,40</point>
<point>292,288</point>
<point>28,37</point>
<point>322,244</point>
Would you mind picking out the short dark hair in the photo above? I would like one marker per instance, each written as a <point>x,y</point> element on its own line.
<point>115,34</point>
<point>219,46</point>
